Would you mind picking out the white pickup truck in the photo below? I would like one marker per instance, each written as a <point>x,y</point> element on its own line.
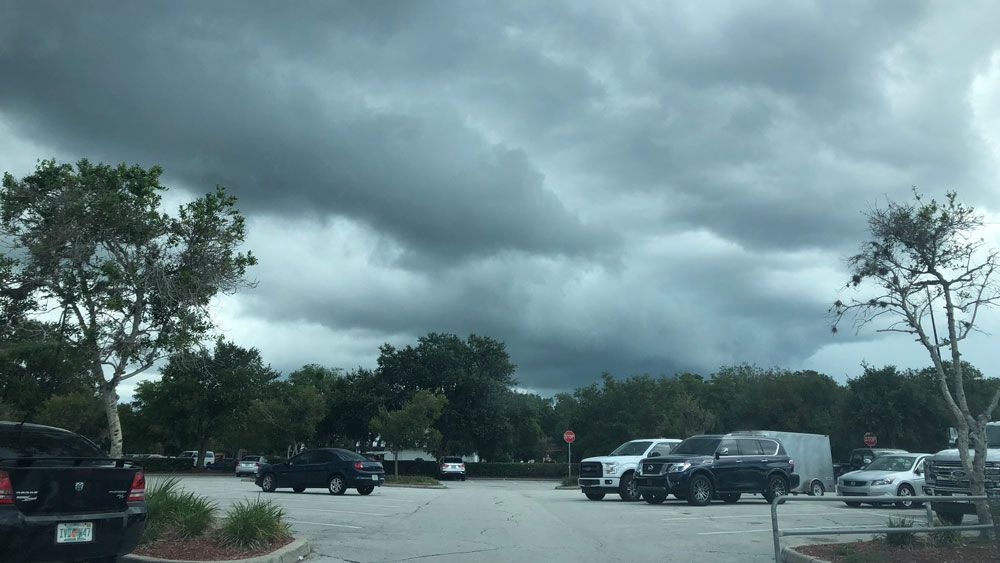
<point>614,473</point>
<point>946,477</point>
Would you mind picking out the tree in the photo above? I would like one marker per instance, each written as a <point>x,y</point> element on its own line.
<point>288,415</point>
<point>35,364</point>
<point>132,283</point>
<point>412,425</point>
<point>200,392</point>
<point>923,256</point>
<point>78,411</point>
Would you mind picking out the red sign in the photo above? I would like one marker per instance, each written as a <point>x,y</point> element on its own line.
<point>870,439</point>
<point>569,436</point>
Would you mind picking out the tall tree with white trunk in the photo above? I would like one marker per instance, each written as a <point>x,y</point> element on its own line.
<point>131,283</point>
<point>923,259</point>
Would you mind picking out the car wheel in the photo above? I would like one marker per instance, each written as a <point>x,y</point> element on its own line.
<point>337,485</point>
<point>594,496</point>
<point>654,498</point>
<point>852,504</point>
<point>905,491</point>
<point>950,518</point>
<point>463,477</point>
<point>699,490</point>
<point>730,498</point>
<point>776,487</point>
<point>298,489</point>
<point>366,489</point>
<point>817,489</point>
<point>268,483</point>
<point>628,488</point>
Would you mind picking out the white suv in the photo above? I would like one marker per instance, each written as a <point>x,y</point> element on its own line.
<point>193,456</point>
<point>615,472</point>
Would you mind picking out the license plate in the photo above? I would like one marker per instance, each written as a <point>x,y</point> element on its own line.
<point>77,532</point>
<point>374,477</point>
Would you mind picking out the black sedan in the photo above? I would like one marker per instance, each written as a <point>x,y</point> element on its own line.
<point>63,499</point>
<point>332,468</point>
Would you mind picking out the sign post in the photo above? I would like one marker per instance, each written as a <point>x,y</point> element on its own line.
<point>870,439</point>
<point>568,437</point>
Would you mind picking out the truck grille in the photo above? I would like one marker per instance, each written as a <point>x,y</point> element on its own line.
<point>652,468</point>
<point>950,474</point>
<point>591,469</point>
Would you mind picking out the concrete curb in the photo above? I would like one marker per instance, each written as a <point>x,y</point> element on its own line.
<point>567,487</point>
<point>292,552</point>
<point>789,555</point>
<point>413,486</point>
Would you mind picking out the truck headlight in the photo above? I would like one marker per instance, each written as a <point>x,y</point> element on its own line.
<point>610,468</point>
<point>679,467</point>
<point>886,481</point>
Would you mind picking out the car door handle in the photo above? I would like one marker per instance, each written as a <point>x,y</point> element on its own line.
<point>739,461</point>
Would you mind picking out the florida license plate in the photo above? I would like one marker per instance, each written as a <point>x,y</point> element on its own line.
<point>374,477</point>
<point>76,532</point>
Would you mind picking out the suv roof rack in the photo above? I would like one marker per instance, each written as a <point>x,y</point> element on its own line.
<point>746,433</point>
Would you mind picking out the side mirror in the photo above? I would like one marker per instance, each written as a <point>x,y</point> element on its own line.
<point>721,452</point>
<point>654,454</point>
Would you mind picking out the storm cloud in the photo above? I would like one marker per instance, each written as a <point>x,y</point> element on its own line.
<point>626,188</point>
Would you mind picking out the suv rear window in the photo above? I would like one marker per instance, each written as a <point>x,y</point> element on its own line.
<point>451,460</point>
<point>29,442</point>
<point>251,458</point>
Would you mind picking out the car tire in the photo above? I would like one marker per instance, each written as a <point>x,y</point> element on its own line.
<point>595,496</point>
<point>950,518</point>
<point>268,483</point>
<point>905,491</point>
<point>463,477</point>
<point>700,490</point>
<point>776,487</point>
<point>852,504</point>
<point>628,488</point>
<point>816,489</point>
<point>298,489</point>
<point>654,498</point>
<point>336,485</point>
<point>730,498</point>
<point>366,489</point>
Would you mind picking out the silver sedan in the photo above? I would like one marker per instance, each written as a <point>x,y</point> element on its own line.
<point>892,475</point>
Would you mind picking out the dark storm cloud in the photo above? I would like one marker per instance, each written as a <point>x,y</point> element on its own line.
<point>605,187</point>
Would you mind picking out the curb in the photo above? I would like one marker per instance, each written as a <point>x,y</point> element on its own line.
<point>789,555</point>
<point>567,487</point>
<point>413,486</point>
<point>290,553</point>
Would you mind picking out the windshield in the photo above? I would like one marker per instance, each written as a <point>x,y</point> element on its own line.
<point>631,448</point>
<point>697,446</point>
<point>993,435</point>
<point>891,463</point>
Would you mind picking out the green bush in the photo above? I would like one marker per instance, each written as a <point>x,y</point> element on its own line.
<point>254,524</point>
<point>171,508</point>
<point>944,538</point>
<point>900,539</point>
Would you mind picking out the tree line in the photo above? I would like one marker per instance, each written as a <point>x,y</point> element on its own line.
<point>454,396</point>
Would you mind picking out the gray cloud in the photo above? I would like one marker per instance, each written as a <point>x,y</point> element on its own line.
<point>624,188</point>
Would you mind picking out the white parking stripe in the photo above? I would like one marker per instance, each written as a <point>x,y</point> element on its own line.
<point>324,524</point>
<point>337,511</point>
<point>787,514</point>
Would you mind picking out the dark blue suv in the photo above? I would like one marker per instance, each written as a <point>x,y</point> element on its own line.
<point>334,469</point>
<point>703,468</point>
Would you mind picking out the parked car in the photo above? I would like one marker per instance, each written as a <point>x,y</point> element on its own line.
<point>250,465</point>
<point>615,472</point>
<point>725,466</point>
<point>947,477</point>
<point>888,475</point>
<point>333,468</point>
<point>452,467</point>
<point>193,455</point>
<point>63,499</point>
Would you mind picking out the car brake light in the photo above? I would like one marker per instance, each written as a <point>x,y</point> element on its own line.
<point>461,466</point>
<point>137,491</point>
<point>6,489</point>
<point>358,465</point>
<point>257,463</point>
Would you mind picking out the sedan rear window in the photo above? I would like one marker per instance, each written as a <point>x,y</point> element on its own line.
<point>20,443</point>
<point>350,456</point>
<point>251,458</point>
<point>451,460</point>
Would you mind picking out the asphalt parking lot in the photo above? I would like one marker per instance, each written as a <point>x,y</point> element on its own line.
<point>494,520</point>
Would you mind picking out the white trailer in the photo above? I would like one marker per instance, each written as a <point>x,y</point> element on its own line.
<point>813,460</point>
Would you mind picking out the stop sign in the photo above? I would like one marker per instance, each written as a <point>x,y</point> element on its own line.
<point>870,439</point>
<point>569,436</point>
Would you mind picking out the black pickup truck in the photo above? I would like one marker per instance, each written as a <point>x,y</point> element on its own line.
<point>63,499</point>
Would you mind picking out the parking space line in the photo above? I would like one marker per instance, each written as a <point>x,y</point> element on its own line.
<point>336,511</point>
<point>785,514</point>
<point>324,524</point>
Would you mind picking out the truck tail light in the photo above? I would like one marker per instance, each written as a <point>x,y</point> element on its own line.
<point>6,489</point>
<point>137,491</point>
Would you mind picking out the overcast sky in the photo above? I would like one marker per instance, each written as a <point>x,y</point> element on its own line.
<point>627,187</point>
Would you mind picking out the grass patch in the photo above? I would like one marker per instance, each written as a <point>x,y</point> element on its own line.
<point>944,538</point>
<point>411,480</point>
<point>254,524</point>
<point>900,539</point>
<point>171,509</point>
